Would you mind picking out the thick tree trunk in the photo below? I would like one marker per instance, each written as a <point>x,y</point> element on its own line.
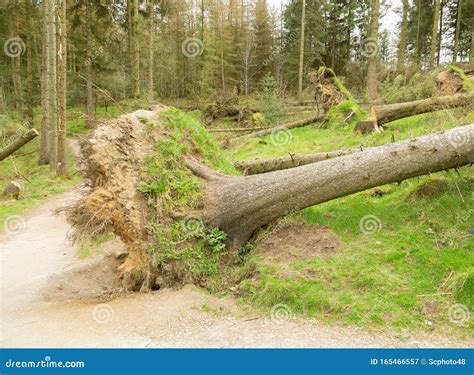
<point>240,205</point>
<point>258,166</point>
<point>276,129</point>
<point>20,142</point>
<point>61,160</point>
<point>386,113</point>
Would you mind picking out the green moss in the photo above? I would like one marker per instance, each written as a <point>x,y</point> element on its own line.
<point>468,85</point>
<point>193,249</point>
<point>339,113</point>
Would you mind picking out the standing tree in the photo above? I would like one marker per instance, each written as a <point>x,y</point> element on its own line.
<point>151,48</point>
<point>301,63</point>
<point>61,162</point>
<point>52,78</point>
<point>402,45</point>
<point>136,49</point>
<point>90,114</point>
<point>373,57</point>
<point>434,34</point>
<point>45,88</point>
<point>457,31</point>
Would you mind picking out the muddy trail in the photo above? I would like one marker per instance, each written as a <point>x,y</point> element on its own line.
<point>52,298</point>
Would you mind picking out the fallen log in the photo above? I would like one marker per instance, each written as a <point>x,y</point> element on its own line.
<point>283,127</point>
<point>257,166</point>
<point>118,155</point>
<point>383,114</point>
<point>235,130</point>
<point>18,143</point>
<point>7,133</point>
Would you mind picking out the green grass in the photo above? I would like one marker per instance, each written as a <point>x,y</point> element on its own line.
<point>311,139</point>
<point>171,187</point>
<point>381,280</point>
<point>39,182</point>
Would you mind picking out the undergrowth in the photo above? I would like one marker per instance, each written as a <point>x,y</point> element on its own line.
<point>193,251</point>
<point>411,273</point>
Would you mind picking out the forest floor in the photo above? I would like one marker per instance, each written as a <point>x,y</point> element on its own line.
<point>57,299</point>
<point>322,281</point>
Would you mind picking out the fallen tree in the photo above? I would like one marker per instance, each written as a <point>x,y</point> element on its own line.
<point>142,188</point>
<point>18,143</point>
<point>383,114</point>
<point>230,130</point>
<point>257,166</point>
<point>276,129</point>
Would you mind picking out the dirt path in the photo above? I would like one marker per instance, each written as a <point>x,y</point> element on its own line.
<point>40,272</point>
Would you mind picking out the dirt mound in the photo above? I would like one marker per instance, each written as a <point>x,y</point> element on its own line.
<point>299,241</point>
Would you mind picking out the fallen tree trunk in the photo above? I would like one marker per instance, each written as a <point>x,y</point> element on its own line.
<point>257,166</point>
<point>7,133</point>
<point>230,130</point>
<point>276,129</point>
<point>215,112</point>
<point>18,143</point>
<point>240,205</point>
<point>383,114</point>
<point>118,156</point>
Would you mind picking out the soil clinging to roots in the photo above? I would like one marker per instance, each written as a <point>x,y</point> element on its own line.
<point>142,190</point>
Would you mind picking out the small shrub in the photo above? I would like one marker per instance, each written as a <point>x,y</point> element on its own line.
<point>269,102</point>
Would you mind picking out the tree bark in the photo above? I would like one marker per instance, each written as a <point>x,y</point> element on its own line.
<point>301,62</point>
<point>89,74</point>
<point>440,37</point>
<point>61,160</point>
<point>240,205</point>
<point>373,58</point>
<point>29,64</point>
<point>434,34</point>
<point>151,50</point>
<point>53,84</point>
<point>403,36</point>
<point>283,127</point>
<point>136,50</point>
<point>386,113</point>
<point>20,142</point>
<point>457,31</point>
<point>230,130</point>
<point>257,166</point>
<point>45,89</point>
